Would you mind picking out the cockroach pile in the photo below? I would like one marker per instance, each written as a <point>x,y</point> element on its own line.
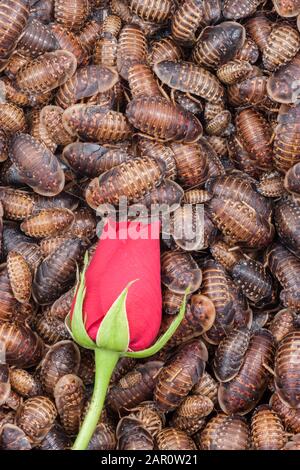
<point>162,101</point>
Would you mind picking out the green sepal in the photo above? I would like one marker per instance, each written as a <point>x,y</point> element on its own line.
<point>76,326</point>
<point>162,341</point>
<point>113,333</point>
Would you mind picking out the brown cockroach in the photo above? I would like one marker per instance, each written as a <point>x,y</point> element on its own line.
<point>69,41</point>
<point>55,439</point>
<point>219,124</point>
<point>150,417</point>
<point>14,64</point>
<point>234,71</point>
<point>252,90</point>
<point>132,48</point>
<point>159,151</point>
<point>283,323</point>
<point>289,416</point>
<point>191,163</point>
<point>282,45</point>
<point>122,181</point>
<point>287,8</point>
<point>86,159</point>
<point>104,438</point>
<point>206,386</point>
<point>20,276</point>
<point>241,158</point>
<point>39,131</point>
<point>230,354</point>
<point>24,383</point>
<point>12,94</point>
<point>50,329</point>
<point>37,164</point>
<point>259,28</point>
<point>271,184</point>
<point>249,52</point>
<point>37,39</point>
<point>84,225</point>
<point>282,85</point>
<point>286,140</point>
<point>186,21</point>
<point>125,364</point>
<point>173,438</point>
<point>243,392</point>
<point>5,385</point>
<point>287,369</point>
<point>105,51</point>
<point>157,117</point>
<point>287,219</point>
<point>292,179</point>
<point>164,49</point>
<point>62,306</point>
<point>218,44</point>
<point>131,435</point>
<point>55,274</point>
<point>165,198</point>
<point>187,227</point>
<point>61,359</point>
<point>14,240</point>
<point>51,120</point>
<point>225,255</point>
<point>86,82</point>
<point>267,432</point>
<point>190,415</point>
<point>48,223</point>
<point>36,417</point>
<point>47,72</point>
<point>14,15</point>
<point>71,15</point>
<point>23,347</point>
<point>188,77</point>
<point>69,399</point>
<point>142,81</point>
<point>188,102</point>
<point>63,200</point>
<point>171,301</point>
<point>112,25</point>
<point>96,123</point>
<point>255,133</point>
<point>225,433</point>
<point>13,438</point>
<point>12,118</point>
<point>180,271</point>
<point>89,34</point>
<point>234,9</point>
<point>8,301</point>
<point>182,371</point>
<point>3,146</point>
<point>196,196</point>
<point>156,11</point>
<point>135,387</point>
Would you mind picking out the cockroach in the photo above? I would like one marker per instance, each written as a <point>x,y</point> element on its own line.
<point>3,146</point>
<point>37,164</point>
<point>39,131</point>
<point>84,225</point>
<point>63,200</point>
<point>282,45</point>
<point>132,48</point>
<point>51,120</point>
<point>51,329</point>
<point>14,64</point>
<point>12,118</point>
<point>234,71</point>
<point>8,301</point>
<point>171,301</point>
<point>283,323</point>
<point>23,347</point>
<point>225,433</point>
<point>96,123</point>
<point>167,193</point>
<point>243,392</point>
<point>125,364</point>
<point>89,34</point>
<point>187,227</point>
<point>179,375</point>
<point>188,77</point>
<point>13,438</point>
<point>36,417</point>
<point>225,255</point>
<point>282,84</point>
<point>186,21</point>
<point>149,416</point>
<point>71,15</point>
<point>14,15</point>
<point>289,416</point>
<point>122,181</point>
<point>259,28</point>
<point>212,12</point>
<point>20,276</point>
<point>287,218</point>
<point>287,8</point>
<point>61,307</point>
<point>105,52</point>
<point>12,94</point>
<point>156,11</point>
<point>14,240</point>
<point>164,49</point>
<point>292,179</point>
<point>157,117</point>
<point>180,271</point>
<point>191,164</point>
<point>37,39</point>
<point>112,25</point>
<point>230,354</point>
<point>142,81</point>
<point>286,140</point>
<point>271,184</point>
<point>252,90</point>
<point>48,223</point>
<point>104,438</point>
<point>267,432</point>
<point>190,415</point>
<point>234,9</point>
<point>187,102</point>
<point>219,124</point>
<point>175,439</point>
<point>196,196</point>
<point>69,41</point>
<point>69,398</point>
<point>241,158</point>
<point>135,387</point>
<point>5,385</point>
<point>55,274</point>
<point>55,439</point>
<point>24,383</point>
<point>131,435</point>
<point>249,52</point>
<point>218,44</point>
<point>159,151</point>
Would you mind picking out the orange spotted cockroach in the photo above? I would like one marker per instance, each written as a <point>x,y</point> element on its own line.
<point>156,11</point>
<point>132,48</point>
<point>69,41</point>
<point>24,348</point>
<point>234,9</point>
<point>243,392</point>
<point>225,433</point>
<point>135,387</point>
<point>251,91</point>
<point>191,163</point>
<point>62,306</point>
<point>37,164</point>
<point>37,39</point>
<point>219,145</point>
<point>188,77</point>
<point>112,25</point>
<point>36,417</point>
<point>159,151</point>
<point>267,431</point>
<point>89,34</point>
<point>218,44</point>
<point>271,184</point>
<point>39,131</point>
<point>46,72</point>
<point>12,118</point>
<point>287,8</point>
<point>131,435</point>
<point>72,15</point>
<point>50,329</point>
<point>55,439</point>
<point>241,158</point>
<point>175,439</point>
<point>282,45</point>
<point>190,415</point>
<point>180,271</point>
<point>289,416</point>
<point>292,179</point>
<point>95,123</point>
<point>105,51</point>
<point>122,181</point>
<point>5,385</point>
<point>219,122</point>
<point>186,21</point>
<point>157,117</point>
<point>13,438</point>
<point>13,19</point>
<point>142,81</point>
<point>56,272</point>
<point>20,276</point>
<point>286,140</point>
<point>182,371</point>
<point>61,359</point>
<point>282,84</point>
<point>287,222</point>
<point>234,71</point>
<point>48,223</point>
<point>69,399</point>
<point>259,28</point>
<point>164,49</point>
<point>24,383</point>
<point>86,82</point>
<point>283,323</point>
<point>17,204</point>
<point>249,52</point>
<point>286,268</point>
<point>14,240</point>
<point>51,120</point>
<point>230,354</point>
<point>287,369</point>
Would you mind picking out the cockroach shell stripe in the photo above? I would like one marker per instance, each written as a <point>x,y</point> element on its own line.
<point>180,270</point>
<point>186,21</point>
<point>48,222</point>
<point>142,81</point>
<point>267,430</point>
<point>164,49</point>
<point>37,39</point>
<point>112,25</point>
<point>105,52</point>
<point>70,42</point>
<point>283,43</point>
<point>35,417</point>
<point>71,15</point>
<point>226,432</point>
<point>90,33</point>
<point>259,27</point>
<point>69,399</point>
<point>12,118</point>
<point>20,276</point>
<point>234,9</point>
<point>132,48</point>
<point>156,11</point>
<point>174,439</point>
<point>13,18</point>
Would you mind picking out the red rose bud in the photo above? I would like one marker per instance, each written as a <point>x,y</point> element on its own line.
<point>117,306</point>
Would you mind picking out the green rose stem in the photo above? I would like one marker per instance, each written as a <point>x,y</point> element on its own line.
<point>105,362</point>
